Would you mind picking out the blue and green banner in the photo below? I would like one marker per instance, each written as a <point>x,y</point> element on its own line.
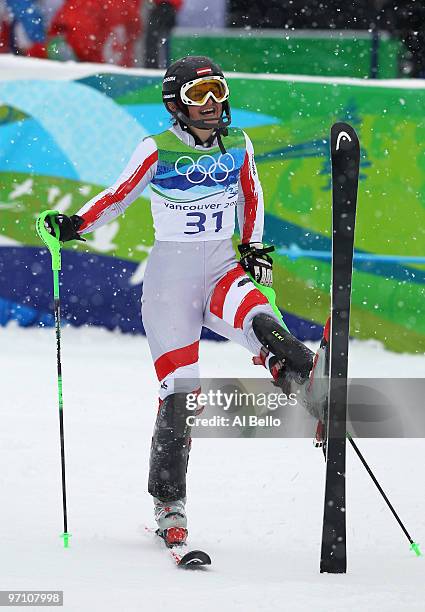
<point>66,131</point>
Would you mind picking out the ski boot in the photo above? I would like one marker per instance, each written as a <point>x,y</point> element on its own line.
<point>171,519</point>
<point>314,392</point>
<point>294,367</point>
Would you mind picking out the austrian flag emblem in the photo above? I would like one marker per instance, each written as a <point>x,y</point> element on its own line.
<point>202,71</point>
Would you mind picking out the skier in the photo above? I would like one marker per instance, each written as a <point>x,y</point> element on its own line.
<point>200,171</point>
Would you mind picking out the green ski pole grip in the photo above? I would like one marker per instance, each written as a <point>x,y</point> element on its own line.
<point>65,537</point>
<point>51,242</point>
<point>415,548</point>
<point>270,294</point>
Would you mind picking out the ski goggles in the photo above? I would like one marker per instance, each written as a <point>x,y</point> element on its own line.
<point>197,92</point>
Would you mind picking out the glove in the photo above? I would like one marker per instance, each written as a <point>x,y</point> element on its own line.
<point>256,261</point>
<point>68,227</point>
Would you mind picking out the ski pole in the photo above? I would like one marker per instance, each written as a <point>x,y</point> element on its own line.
<point>413,545</point>
<point>54,246</point>
<point>270,294</point>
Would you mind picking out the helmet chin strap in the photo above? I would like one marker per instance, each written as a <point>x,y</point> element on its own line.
<point>219,129</point>
<point>222,123</point>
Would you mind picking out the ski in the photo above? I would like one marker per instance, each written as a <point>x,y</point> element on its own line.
<point>192,559</point>
<point>345,158</point>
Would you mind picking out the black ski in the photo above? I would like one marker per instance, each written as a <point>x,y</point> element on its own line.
<point>192,559</point>
<point>345,157</point>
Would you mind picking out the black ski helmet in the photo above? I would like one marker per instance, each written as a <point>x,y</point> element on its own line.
<point>188,69</point>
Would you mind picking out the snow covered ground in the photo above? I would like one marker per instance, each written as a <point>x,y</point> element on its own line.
<point>254,504</point>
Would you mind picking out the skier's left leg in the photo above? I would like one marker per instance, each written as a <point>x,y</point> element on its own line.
<point>252,323</point>
<point>237,310</point>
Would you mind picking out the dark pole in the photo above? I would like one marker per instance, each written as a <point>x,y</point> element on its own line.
<point>413,545</point>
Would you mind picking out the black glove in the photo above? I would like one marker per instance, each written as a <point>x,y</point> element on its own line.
<point>68,227</point>
<point>256,261</point>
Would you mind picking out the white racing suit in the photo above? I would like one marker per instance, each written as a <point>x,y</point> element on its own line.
<point>216,294</point>
<point>192,278</point>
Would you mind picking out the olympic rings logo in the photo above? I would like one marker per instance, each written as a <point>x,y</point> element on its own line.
<point>205,166</point>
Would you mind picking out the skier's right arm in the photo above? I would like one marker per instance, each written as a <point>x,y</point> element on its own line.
<point>131,183</point>
<point>113,201</point>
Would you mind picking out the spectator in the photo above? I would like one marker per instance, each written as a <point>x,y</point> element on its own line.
<point>161,20</point>
<point>5,28</point>
<point>84,30</point>
<point>49,8</point>
<point>22,25</point>
<point>50,47</point>
<point>99,30</point>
